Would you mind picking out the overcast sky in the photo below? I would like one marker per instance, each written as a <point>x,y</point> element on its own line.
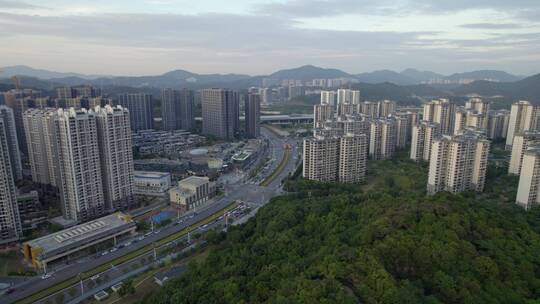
<point>136,37</point>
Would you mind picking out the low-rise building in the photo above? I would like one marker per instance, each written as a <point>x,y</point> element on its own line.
<point>152,183</point>
<point>192,192</point>
<point>76,241</point>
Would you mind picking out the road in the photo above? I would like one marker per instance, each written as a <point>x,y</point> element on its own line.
<point>247,192</point>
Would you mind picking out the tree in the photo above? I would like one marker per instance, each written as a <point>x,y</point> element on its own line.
<point>72,292</point>
<point>126,288</point>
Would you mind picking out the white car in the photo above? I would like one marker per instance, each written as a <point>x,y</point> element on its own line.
<point>95,277</point>
<point>114,249</point>
<point>46,276</point>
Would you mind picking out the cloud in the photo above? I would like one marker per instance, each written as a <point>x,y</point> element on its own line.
<point>6,4</point>
<point>493,26</point>
<point>326,8</point>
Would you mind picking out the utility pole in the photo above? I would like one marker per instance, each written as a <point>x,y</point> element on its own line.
<point>155,253</point>
<point>189,237</point>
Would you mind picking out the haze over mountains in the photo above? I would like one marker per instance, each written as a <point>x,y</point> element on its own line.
<point>377,84</point>
<point>307,72</point>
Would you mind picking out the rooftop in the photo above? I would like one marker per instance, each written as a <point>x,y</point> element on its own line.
<point>151,174</point>
<point>80,232</point>
<point>194,181</point>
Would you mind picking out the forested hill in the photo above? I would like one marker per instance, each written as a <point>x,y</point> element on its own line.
<point>385,242</point>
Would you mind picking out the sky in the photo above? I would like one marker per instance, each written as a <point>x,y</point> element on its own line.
<point>258,37</point>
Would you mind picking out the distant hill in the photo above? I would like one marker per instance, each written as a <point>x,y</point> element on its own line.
<point>22,70</point>
<point>492,75</point>
<point>421,76</point>
<point>309,72</point>
<point>528,88</point>
<point>385,76</point>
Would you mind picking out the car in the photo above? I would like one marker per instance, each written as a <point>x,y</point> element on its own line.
<point>104,253</point>
<point>113,249</point>
<point>95,277</point>
<point>205,225</point>
<point>46,276</point>
<point>10,291</point>
<point>140,238</point>
<point>127,244</point>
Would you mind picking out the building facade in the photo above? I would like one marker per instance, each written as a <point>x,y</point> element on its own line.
<point>523,117</point>
<point>522,142</point>
<point>220,113</point>
<point>423,135</point>
<point>253,115</point>
<point>116,156</point>
<point>8,118</point>
<point>10,222</point>
<point>382,143</point>
<point>458,163</point>
<point>529,179</point>
<point>441,111</point>
<point>140,110</point>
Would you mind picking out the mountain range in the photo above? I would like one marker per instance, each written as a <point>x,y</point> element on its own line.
<point>304,73</point>
<point>379,84</point>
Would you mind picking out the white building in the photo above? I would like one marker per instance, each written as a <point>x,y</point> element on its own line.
<point>441,111</point>
<point>523,117</point>
<point>348,96</point>
<point>81,189</point>
<point>423,135</point>
<point>322,113</point>
<point>116,156</point>
<point>382,140</point>
<point>8,118</point>
<point>529,179</point>
<point>10,222</point>
<point>328,98</point>
<point>522,142</point>
<point>192,192</point>
<point>152,183</point>
<point>335,158</point>
<point>458,163</point>
<point>386,107</point>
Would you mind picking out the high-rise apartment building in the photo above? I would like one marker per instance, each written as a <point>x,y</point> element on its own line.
<point>116,157</point>
<point>402,131</point>
<point>220,112</point>
<point>348,96</point>
<point>81,189</point>
<point>382,140</point>
<point>10,222</point>
<point>529,179</point>
<point>371,109</point>
<point>441,111</point>
<point>177,109</point>
<point>523,117</point>
<point>328,97</point>
<point>352,158</point>
<point>6,115</point>
<point>140,110</point>
<point>423,135</point>
<point>322,113</point>
<point>458,163</point>
<point>460,120</point>
<point>19,104</point>
<point>477,105</point>
<point>497,124</point>
<point>522,142</point>
<point>346,109</point>
<point>335,158</point>
<point>386,107</point>
<point>42,144</point>
<point>252,110</point>
<point>321,158</point>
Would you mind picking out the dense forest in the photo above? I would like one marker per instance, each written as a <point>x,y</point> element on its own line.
<point>382,242</point>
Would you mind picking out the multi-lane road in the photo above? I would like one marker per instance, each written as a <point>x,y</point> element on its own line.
<point>242,191</point>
